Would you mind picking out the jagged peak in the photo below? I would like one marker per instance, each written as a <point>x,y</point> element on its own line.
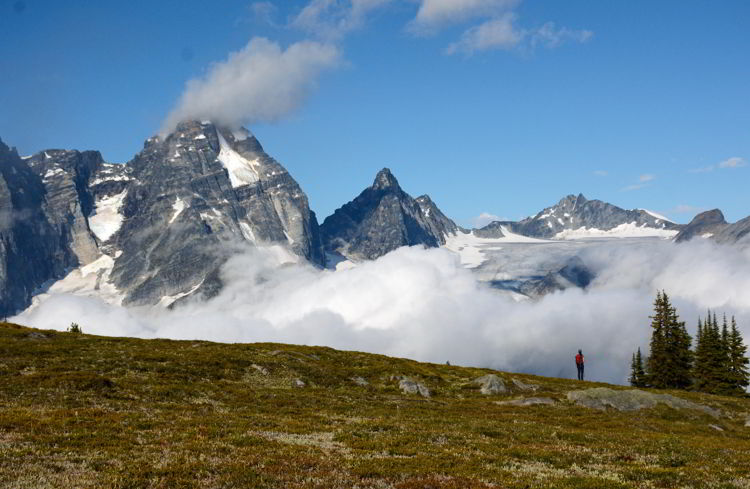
<point>385,180</point>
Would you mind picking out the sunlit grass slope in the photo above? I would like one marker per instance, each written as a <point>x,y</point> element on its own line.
<point>87,411</point>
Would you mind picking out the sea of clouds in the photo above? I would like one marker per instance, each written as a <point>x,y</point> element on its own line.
<point>421,304</point>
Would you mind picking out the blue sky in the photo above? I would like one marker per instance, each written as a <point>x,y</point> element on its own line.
<point>490,106</point>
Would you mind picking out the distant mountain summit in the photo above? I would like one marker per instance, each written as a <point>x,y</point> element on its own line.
<point>382,218</point>
<point>575,216</point>
<point>704,225</point>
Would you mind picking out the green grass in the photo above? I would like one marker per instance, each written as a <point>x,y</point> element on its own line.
<point>86,411</point>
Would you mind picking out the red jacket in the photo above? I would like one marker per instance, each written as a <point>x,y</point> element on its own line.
<point>579,359</point>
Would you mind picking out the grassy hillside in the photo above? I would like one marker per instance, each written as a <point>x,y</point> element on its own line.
<point>87,411</point>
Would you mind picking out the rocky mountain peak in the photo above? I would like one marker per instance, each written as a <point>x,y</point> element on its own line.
<point>385,180</point>
<point>382,218</point>
<point>704,225</point>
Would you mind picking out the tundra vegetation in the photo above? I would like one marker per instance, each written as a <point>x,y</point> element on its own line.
<point>84,411</point>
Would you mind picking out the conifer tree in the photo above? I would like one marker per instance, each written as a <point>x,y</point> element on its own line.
<point>738,361</point>
<point>637,374</point>
<point>700,364</point>
<point>657,361</point>
<point>670,363</point>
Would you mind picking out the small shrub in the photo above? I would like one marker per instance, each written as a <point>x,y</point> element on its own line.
<point>74,328</point>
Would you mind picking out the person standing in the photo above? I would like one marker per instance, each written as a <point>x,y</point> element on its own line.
<point>579,364</point>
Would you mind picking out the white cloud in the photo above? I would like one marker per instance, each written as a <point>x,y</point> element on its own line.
<point>435,13</point>
<point>733,162</point>
<point>485,218</point>
<point>263,12</point>
<point>260,82</point>
<point>643,181</point>
<point>550,36</point>
<point>333,19</point>
<point>498,33</point>
<point>600,173</point>
<point>421,304</point>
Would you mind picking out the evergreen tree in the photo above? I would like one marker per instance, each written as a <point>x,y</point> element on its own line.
<point>637,374</point>
<point>670,363</point>
<point>657,361</point>
<point>700,364</point>
<point>738,361</point>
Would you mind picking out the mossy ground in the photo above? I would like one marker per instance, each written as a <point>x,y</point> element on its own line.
<point>86,411</point>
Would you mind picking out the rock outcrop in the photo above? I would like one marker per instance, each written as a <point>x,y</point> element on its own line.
<point>490,384</point>
<point>632,400</point>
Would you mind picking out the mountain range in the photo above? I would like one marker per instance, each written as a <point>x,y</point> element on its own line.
<point>159,228</point>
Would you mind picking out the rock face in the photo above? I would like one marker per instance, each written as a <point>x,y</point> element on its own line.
<point>193,193</point>
<point>704,225</point>
<point>739,232</point>
<point>576,213</point>
<point>632,400</point>
<point>161,225</point>
<point>382,218</point>
<point>31,251</point>
<point>69,200</point>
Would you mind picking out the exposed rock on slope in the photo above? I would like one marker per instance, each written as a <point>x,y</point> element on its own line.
<point>31,252</point>
<point>382,218</point>
<point>704,225</point>
<point>739,232</point>
<point>632,400</point>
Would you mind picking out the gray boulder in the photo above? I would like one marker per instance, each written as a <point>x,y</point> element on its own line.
<point>491,384</point>
<point>410,386</point>
<point>632,400</point>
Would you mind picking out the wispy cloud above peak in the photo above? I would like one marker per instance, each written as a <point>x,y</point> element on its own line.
<point>334,19</point>
<point>643,181</point>
<point>499,33</point>
<point>733,162</point>
<point>436,13</point>
<point>262,82</point>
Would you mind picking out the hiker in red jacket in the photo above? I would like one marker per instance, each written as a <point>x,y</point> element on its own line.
<point>579,364</point>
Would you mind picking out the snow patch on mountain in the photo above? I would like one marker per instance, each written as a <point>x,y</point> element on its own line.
<point>177,207</point>
<point>656,215</point>
<point>626,230</point>
<point>107,219</point>
<point>470,247</point>
<point>241,170</point>
<point>91,280</point>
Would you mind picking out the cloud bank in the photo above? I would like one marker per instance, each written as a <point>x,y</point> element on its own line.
<point>421,304</point>
<point>259,83</point>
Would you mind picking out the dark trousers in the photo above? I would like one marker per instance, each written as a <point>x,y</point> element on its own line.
<point>580,371</point>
